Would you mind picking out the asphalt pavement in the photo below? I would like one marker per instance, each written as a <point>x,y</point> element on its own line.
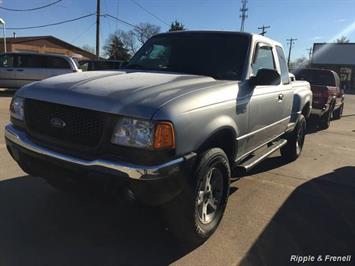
<point>304,208</point>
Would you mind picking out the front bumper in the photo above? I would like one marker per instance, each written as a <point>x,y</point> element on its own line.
<point>132,171</point>
<point>151,185</point>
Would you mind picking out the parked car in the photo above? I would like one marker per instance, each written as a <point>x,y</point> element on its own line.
<point>328,97</point>
<point>18,69</point>
<point>93,65</point>
<point>170,127</point>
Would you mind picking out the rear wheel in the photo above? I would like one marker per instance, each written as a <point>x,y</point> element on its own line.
<point>295,140</point>
<point>195,214</point>
<point>338,112</point>
<point>324,120</point>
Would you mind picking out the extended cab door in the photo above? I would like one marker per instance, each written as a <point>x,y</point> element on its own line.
<point>269,109</point>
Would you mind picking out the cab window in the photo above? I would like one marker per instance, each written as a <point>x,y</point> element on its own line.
<point>283,65</point>
<point>30,61</point>
<point>263,58</point>
<point>56,62</point>
<point>6,60</point>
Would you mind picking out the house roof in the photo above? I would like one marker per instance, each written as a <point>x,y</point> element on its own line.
<point>53,39</point>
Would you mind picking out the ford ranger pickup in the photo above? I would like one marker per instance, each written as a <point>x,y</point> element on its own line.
<point>188,108</point>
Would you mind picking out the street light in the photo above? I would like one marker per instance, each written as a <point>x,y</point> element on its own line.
<point>2,22</point>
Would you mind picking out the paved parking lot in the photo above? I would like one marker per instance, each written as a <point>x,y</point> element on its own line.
<point>303,208</point>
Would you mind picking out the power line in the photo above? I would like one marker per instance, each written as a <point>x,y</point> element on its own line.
<point>150,13</point>
<point>53,24</point>
<point>120,20</point>
<point>30,9</point>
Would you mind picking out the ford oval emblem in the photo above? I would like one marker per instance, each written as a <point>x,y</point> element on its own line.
<point>57,122</point>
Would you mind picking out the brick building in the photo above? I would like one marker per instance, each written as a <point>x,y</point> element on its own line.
<point>46,45</point>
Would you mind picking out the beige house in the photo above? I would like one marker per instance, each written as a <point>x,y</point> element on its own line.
<point>45,45</point>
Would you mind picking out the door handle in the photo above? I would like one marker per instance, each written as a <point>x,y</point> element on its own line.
<point>19,70</point>
<point>280,97</point>
<point>9,70</point>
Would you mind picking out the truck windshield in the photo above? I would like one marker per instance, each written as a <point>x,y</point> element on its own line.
<point>221,56</point>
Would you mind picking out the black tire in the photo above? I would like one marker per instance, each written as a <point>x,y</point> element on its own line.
<point>324,120</point>
<point>295,140</point>
<point>338,112</point>
<point>183,213</point>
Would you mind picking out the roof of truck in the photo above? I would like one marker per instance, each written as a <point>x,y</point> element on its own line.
<point>254,36</point>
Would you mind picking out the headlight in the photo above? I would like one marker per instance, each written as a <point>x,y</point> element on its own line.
<point>133,132</point>
<point>143,134</point>
<point>16,108</point>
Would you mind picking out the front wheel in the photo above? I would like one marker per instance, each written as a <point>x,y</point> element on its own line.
<point>295,140</point>
<point>195,214</point>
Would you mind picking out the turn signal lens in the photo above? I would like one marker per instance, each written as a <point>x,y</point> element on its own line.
<point>164,137</point>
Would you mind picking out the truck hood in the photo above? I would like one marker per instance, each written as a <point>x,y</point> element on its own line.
<point>130,93</point>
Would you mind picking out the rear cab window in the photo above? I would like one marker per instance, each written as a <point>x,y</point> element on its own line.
<point>317,77</point>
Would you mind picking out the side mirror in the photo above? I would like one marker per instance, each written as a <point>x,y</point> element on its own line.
<point>266,77</point>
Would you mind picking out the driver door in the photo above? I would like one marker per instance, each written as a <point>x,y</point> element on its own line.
<point>266,103</point>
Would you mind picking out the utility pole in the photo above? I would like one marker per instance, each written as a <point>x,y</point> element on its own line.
<point>310,51</point>
<point>291,42</point>
<point>98,29</point>
<point>243,15</point>
<point>263,31</point>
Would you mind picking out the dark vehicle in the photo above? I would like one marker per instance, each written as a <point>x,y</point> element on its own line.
<point>328,97</point>
<point>93,65</point>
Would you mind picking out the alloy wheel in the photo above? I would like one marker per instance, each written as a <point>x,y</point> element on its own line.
<point>209,195</point>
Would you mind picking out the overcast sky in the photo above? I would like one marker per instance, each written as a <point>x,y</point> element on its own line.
<point>307,20</point>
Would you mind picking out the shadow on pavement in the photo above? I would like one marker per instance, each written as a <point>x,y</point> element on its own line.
<point>318,218</point>
<point>41,226</point>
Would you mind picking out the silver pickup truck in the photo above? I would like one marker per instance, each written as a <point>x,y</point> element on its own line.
<point>169,128</point>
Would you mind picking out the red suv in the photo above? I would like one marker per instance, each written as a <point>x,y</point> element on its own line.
<point>328,98</point>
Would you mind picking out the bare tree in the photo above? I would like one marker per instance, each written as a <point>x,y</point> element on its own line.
<point>88,48</point>
<point>145,31</point>
<point>128,39</point>
<point>302,62</point>
<point>342,39</point>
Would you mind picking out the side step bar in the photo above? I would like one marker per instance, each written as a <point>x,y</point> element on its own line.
<point>256,159</point>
